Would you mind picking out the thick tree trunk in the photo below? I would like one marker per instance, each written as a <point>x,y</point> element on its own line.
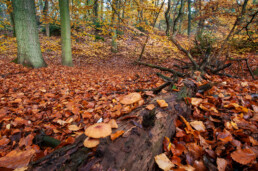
<point>29,52</point>
<point>65,33</point>
<point>135,150</point>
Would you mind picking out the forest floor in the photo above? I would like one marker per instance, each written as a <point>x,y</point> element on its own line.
<point>62,101</point>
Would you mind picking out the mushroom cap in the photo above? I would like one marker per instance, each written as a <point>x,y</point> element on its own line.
<point>113,123</point>
<point>91,142</point>
<point>131,98</point>
<point>98,130</point>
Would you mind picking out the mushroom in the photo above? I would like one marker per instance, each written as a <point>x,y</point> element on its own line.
<point>91,142</point>
<point>98,130</point>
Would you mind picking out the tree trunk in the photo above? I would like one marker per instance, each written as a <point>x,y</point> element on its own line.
<point>45,11</point>
<point>135,150</point>
<point>65,33</point>
<point>114,31</point>
<point>29,52</point>
<point>189,18</point>
<point>178,18</point>
<point>167,17</point>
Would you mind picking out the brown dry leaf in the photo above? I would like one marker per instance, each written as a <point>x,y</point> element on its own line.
<point>131,98</point>
<point>150,106</point>
<point>116,135</point>
<point>73,128</point>
<point>221,164</point>
<point>196,101</point>
<point>162,103</point>
<point>225,136</point>
<point>163,162</point>
<point>243,156</point>
<point>4,141</point>
<point>17,159</point>
<point>198,125</point>
<point>187,167</point>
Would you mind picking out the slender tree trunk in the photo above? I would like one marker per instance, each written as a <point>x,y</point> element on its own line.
<point>29,52</point>
<point>114,31</point>
<point>13,24</point>
<point>178,18</point>
<point>102,10</point>
<point>65,33</point>
<point>167,16</point>
<point>95,17</point>
<point>10,10</point>
<point>45,12</point>
<point>189,18</point>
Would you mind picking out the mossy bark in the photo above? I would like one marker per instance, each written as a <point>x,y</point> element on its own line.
<point>65,33</point>
<point>29,52</point>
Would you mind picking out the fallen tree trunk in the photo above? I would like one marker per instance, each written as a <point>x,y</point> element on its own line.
<point>135,150</point>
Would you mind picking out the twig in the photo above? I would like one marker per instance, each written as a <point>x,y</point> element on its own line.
<point>157,89</point>
<point>249,69</point>
<point>222,68</point>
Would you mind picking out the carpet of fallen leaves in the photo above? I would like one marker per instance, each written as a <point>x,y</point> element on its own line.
<point>222,132</point>
<point>61,102</point>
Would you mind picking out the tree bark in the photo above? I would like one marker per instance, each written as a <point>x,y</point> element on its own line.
<point>189,18</point>
<point>45,11</point>
<point>29,52</point>
<point>135,150</point>
<point>65,33</point>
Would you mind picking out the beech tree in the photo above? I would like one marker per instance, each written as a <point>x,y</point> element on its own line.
<point>65,33</point>
<point>29,52</point>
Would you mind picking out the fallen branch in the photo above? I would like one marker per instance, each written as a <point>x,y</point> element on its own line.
<point>135,150</point>
<point>161,68</point>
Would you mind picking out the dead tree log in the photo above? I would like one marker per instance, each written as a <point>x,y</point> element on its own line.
<point>135,150</point>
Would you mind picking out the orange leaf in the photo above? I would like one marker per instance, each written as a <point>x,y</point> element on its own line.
<point>17,159</point>
<point>162,103</point>
<point>116,135</point>
<point>196,101</point>
<point>4,141</point>
<point>150,106</point>
<point>243,156</point>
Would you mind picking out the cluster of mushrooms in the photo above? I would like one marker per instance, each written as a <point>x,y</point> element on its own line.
<point>97,131</point>
<point>102,130</point>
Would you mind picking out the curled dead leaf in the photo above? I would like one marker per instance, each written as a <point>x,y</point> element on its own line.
<point>116,135</point>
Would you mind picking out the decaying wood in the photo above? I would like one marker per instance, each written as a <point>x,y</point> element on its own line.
<point>135,150</point>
